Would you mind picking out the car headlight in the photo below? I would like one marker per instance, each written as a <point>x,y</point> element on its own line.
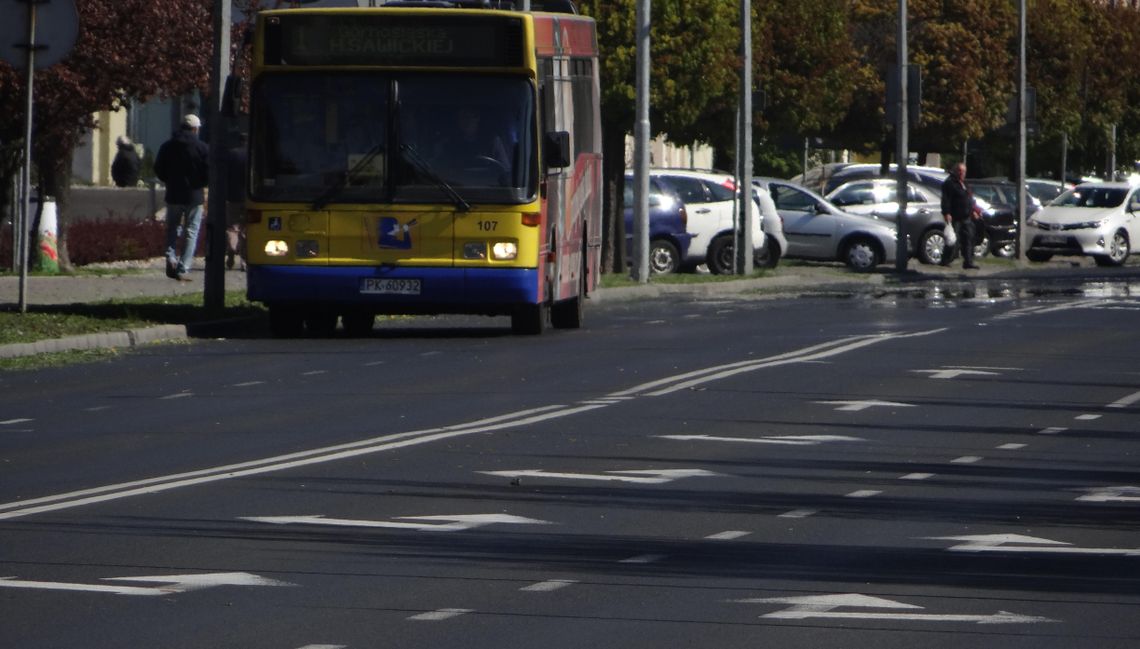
<point>1087,225</point>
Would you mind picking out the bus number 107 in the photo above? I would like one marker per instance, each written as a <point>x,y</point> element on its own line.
<point>488,226</point>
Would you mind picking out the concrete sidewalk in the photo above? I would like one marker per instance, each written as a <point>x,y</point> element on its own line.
<point>148,279</point>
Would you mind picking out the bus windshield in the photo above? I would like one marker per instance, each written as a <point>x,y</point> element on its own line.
<point>366,137</point>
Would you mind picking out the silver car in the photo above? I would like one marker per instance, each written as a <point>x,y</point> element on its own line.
<point>1097,219</point>
<point>879,197</point>
<point>816,229</point>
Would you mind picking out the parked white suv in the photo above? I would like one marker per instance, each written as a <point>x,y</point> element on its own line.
<point>710,200</point>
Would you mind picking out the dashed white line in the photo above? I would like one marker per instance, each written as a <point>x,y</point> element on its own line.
<point>246,384</point>
<point>324,646</point>
<point>1086,417</point>
<point>727,535</point>
<point>799,513</point>
<point>549,585</point>
<point>441,614</point>
<point>180,395</point>
<point>644,558</point>
<point>8,422</point>
<point>1126,401</point>
<point>863,493</point>
<point>966,459</point>
<point>314,372</point>
<point>1052,430</point>
<point>916,476</point>
<point>1011,447</point>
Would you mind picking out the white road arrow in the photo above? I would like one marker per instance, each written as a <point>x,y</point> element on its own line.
<point>1028,544</point>
<point>789,440</point>
<point>451,523</point>
<point>175,583</point>
<point>1112,494</point>
<point>821,606</point>
<point>855,406</point>
<point>953,373</point>
<point>648,476</point>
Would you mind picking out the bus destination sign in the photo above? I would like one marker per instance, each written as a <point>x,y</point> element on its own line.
<point>395,40</point>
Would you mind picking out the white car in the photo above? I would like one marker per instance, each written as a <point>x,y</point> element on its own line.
<point>1099,219</point>
<point>710,200</point>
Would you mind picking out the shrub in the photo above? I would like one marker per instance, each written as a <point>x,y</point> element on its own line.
<point>104,240</point>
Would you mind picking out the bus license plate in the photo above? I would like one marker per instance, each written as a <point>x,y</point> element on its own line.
<point>376,285</point>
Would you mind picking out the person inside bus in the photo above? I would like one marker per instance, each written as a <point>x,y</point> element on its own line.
<point>473,145</point>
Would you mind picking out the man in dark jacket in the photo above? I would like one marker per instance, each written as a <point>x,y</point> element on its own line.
<point>958,211</point>
<point>125,168</point>
<point>183,165</point>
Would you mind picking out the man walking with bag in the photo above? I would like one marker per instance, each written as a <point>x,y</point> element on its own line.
<point>958,212</point>
<point>183,165</point>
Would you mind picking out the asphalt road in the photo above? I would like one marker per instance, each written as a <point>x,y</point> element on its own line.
<point>945,467</point>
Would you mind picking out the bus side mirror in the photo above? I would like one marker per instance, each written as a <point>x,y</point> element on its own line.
<point>556,149</point>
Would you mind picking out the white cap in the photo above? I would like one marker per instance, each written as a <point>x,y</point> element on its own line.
<point>192,121</point>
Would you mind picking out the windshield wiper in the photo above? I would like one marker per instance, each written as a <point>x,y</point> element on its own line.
<point>409,153</point>
<point>342,182</point>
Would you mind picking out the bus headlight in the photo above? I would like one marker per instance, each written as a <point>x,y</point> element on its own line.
<point>505,250</point>
<point>276,248</point>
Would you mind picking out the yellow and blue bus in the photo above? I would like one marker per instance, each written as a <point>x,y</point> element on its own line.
<point>423,158</point>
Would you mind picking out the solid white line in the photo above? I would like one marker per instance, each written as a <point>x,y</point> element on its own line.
<point>1052,430</point>
<point>644,558</point>
<point>548,586</point>
<point>727,535</point>
<point>281,462</point>
<point>863,493</point>
<point>916,476</point>
<point>14,421</point>
<point>1086,417</point>
<point>799,513</point>
<point>84,588</point>
<point>441,614</point>
<point>1011,447</point>
<point>966,459</point>
<point>1126,401</point>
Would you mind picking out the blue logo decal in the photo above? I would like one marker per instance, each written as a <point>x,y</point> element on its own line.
<point>393,234</point>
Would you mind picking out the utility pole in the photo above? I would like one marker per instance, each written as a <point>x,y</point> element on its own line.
<point>1021,134</point>
<point>902,145</point>
<point>744,145</point>
<point>214,289</point>
<point>640,263</point>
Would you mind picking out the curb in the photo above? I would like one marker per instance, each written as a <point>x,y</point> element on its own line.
<point>104,340</point>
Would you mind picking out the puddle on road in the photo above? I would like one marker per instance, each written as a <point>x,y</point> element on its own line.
<point>954,293</point>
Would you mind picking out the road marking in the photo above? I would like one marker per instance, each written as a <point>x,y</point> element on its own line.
<point>1012,447</point>
<point>9,422</point>
<point>97,408</point>
<point>1126,401</point>
<point>967,459</point>
<point>324,646</point>
<point>1027,544</point>
<point>644,558</point>
<point>727,535</point>
<point>175,583</point>
<point>441,614</point>
<point>953,373</point>
<point>863,493</point>
<point>856,406</point>
<point>449,524</point>
<point>180,395</point>
<point>1111,494</point>
<point>799,513</point>
<point>1086,417</point>
<point>1052,430</point>
<point>548,586</point>
<point>647,476</point>
<point>821,606</point>
<point>916,476</point>
<point>787,440</point>
<point>246,384</point>
<point>314,372</point>
<point>388,442</point>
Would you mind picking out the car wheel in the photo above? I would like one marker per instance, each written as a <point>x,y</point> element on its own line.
<point>1118,251</point>
<point>770,256</point>
<point>861,255</point>
<point>664,258</point>
<point>932,246</point>
<point>982,248</point>
<point>1037,255</point>
<point>721,256</point>
<point>1006,250</point>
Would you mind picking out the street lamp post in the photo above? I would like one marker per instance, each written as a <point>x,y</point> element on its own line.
<point>902,144</point>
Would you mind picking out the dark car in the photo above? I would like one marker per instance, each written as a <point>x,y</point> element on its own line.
<point>1001,217</point>
<point>825,179</point>
<point>668,239</point>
